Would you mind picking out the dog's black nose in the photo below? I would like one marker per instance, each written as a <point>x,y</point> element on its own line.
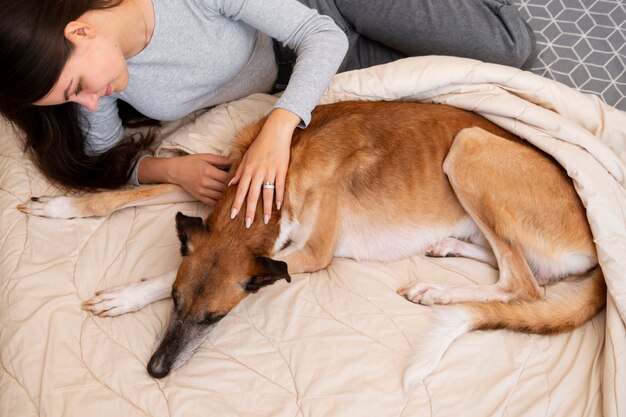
<point>158,367</point>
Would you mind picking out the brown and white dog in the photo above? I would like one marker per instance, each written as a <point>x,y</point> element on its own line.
<point>380,181</point>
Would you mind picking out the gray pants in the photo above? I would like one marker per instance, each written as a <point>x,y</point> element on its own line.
<point>381,31</point>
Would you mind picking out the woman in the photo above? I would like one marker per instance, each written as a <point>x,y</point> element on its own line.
<point>65,65</point>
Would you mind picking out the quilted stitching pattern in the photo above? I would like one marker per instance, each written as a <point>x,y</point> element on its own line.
<point>332,343</point>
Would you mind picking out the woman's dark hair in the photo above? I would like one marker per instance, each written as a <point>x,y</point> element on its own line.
<point>33,52</point>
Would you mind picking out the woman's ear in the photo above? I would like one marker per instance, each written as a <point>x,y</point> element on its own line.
<point>76,31</point>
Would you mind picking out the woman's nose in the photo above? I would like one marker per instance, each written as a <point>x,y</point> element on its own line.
<point>88,100</point>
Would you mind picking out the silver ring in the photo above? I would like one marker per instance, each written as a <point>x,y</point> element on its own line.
<point>268,185</point>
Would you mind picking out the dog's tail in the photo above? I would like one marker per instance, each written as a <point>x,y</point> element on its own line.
<point>566,305</point>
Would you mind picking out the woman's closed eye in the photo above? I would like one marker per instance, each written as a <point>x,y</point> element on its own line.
<point>68,91</point>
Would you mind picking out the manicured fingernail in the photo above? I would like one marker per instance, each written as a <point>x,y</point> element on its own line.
<point>233,213</point>
<point>248,222</point>
<point>230,182</point>
<point>266,218</point>
<point>278,205</point>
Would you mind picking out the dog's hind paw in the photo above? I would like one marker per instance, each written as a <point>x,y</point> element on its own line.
<point>425,293</point>
<point>59,207</point>
<point>449,247</point>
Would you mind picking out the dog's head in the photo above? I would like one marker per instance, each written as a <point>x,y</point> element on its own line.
<point>217,272</point>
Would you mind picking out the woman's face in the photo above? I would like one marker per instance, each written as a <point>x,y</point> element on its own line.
<point>95,69</point>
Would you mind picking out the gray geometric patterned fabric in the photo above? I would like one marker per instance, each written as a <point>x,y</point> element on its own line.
<point>581,43</point>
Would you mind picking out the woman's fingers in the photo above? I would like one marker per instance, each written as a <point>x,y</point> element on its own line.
<point>250,188</point>
<point>267,156</point>
<point>243,181</point>
<point>210,193</point>
<point>280,187</point>
<point>202,175</point>
<point>213,173</point>
<point>210,183</point>
<point>254,183</point>
<point>268,198</point>
<point>273,188</point>
<point>208,201</point>
<point>253,196</point>
<point>216,160</point>
<point>235,179</point>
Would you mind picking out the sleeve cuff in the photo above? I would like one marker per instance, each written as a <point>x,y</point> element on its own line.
<point>134,178</point>
<point>305,117</point>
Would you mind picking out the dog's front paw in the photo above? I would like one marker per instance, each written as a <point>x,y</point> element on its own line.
<point>59,207</point>
<point>425,293</point>
<point>117,300</point>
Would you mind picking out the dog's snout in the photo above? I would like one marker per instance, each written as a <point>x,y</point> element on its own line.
<point>158,367</point>
<point>179,342</point>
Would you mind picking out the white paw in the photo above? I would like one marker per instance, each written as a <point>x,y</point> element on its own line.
<point>443,248</point>
<point>425,293</point>
<point>434,296</point>
<point>59,207</point>
<point>117,300</point>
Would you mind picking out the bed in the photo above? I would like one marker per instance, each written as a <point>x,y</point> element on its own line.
<point>332,343</point>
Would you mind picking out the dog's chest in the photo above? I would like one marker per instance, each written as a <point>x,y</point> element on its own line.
<point>363,239</point>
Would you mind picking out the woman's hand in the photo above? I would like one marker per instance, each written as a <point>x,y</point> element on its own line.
<point>201,175</point>
<point>266,161</point>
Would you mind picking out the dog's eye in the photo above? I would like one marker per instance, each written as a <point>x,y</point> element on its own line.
<point>176,298</point>
<point>211,318</point>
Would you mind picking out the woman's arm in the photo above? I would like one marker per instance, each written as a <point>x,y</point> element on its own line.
<point>204,176</point>
<point>320,47</point>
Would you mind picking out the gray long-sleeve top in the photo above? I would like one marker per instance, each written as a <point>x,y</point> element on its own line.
<point>206,52</point>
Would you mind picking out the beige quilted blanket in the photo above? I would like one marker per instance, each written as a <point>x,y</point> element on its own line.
<point>333,343</point>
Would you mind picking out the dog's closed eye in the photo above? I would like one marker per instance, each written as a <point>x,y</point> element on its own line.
<point>176,298</point>
<point>211,318</point>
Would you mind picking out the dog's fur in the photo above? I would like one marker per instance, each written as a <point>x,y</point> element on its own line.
<point>381,181</point>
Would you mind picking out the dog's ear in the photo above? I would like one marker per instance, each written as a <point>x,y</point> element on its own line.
<point>186,226</point>
<point>269,271</point>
